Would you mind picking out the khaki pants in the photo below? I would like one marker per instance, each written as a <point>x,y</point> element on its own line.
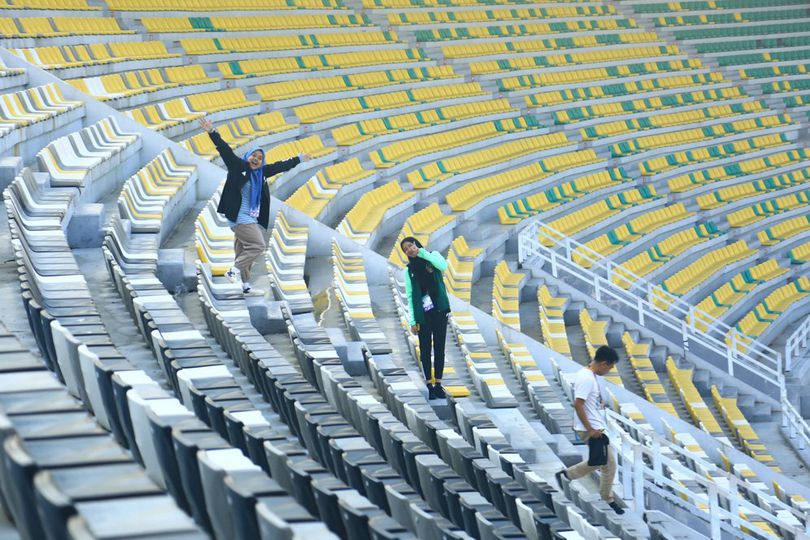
<point>608,471</point>
<point>248,244</point>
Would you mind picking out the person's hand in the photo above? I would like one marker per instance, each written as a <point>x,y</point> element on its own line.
<point>303,156</point>
<point>594,433</point>
<point>206,125</point>
<point>415,329</point>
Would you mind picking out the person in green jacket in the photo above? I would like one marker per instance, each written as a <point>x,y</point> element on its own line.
<point>428,306</point>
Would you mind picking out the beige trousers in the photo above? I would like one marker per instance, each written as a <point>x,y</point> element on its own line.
<point>248,244</point>
<point>608,471</point>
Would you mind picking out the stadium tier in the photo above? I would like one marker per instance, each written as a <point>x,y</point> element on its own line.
<point>630,174</point>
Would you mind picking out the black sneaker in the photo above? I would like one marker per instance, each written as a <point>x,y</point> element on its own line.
<point>559,475</point>
<point>431,392</point>
<point>438,391</point>
<point>616,508</point>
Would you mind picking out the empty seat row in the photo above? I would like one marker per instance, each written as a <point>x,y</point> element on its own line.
<point>623,235</point>
<point>754,323</point>
<point>694,116</point>
<point>586,93</point>
<point>187,109</point>
<point>740,31</point>
<point>516,211</point>
<point>321,111</point>
<point>373,207</point>
<point>316,86</point>
<point>154,191</point>
<point>700,413</point>
<point>686,182</point>
<point>768,208</point>
<point>662,252</point>
<point>719,301</point>
<point>240,69</point>
<point>619,108</point>
<point>529,29</point>
<point>731,18</point>
<point>225,45</point>
<point>478,191</point>
<point>697,272</point>
<point>351,134</point>
<point>506,288</point>
<point>638,353</point>
<point>222,5</point>
<point>81,157</point>
<point>696,135</point>
<point>398,152</point>
<point>351,288</point>
<point>29,113</point>
<point>421,17</point>
<point>131,83</point>
<point>706,5</point>
<point>45,27</point>
<point>578,75</point>
<point>784,230</point>
<point>434,172</point>
<point>702,154</point>
<point>67,56</point>
<point>286,257</point>
<point>552,324</point>
<point>491,48</point>
<point>757,188</point>
<point>800,254</point>
<point>480,363</point>
<point>489,67</point>
<point>461,271</point>
<point>244,24</point>
<point>328,183</point>
<point>742,429</point>
<point>596,213</point>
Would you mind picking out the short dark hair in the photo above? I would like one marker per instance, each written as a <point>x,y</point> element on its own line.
<point>412,240</point>
<point>606,354</point>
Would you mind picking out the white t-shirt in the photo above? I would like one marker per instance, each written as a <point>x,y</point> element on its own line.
<point>586,387</point>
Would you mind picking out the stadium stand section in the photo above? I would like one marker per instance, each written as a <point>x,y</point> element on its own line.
<point>631,174</point>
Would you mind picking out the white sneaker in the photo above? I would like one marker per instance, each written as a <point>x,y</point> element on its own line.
<point>234,275</point>
<point>250,291</point>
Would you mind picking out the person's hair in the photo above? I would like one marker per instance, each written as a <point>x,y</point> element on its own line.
<point>606,354</point>
<point>412,240</point>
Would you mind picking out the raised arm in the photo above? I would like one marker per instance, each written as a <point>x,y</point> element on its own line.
<point>433,257</point>
<point>230,159</point>
<point>278,167</point>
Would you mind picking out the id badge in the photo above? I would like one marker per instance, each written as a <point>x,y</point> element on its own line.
<point>427,303</point>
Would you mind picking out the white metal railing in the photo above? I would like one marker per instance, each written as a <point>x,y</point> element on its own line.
<point>795,424</point>
<point>796,344</point>
<point>760,362</point>
<point>712,495</point>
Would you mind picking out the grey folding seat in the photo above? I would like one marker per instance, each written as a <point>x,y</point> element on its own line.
<point>22,459</point>
<point>288,520</point>
<point>58,491</point>
<point>215,466</point>
<point>189,438</point>
<point>139,517</point>
<point>386,528</point>
<point>243,489</point>
<point>326,492</point>
<point>356,511</point>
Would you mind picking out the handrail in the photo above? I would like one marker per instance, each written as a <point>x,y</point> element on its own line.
<point>643,467</point>
<point>759,362</point>
<point>796,344</point>
<point>795,424</point>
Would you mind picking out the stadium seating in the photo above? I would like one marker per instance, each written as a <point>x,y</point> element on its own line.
<point>458,122</point>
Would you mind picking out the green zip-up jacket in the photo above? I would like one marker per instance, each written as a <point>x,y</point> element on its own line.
<point>415,312</point>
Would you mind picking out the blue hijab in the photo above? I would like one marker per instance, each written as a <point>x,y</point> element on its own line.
<point>256,179</point>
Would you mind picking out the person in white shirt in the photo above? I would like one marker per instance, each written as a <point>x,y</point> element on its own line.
<point>590,422</point>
